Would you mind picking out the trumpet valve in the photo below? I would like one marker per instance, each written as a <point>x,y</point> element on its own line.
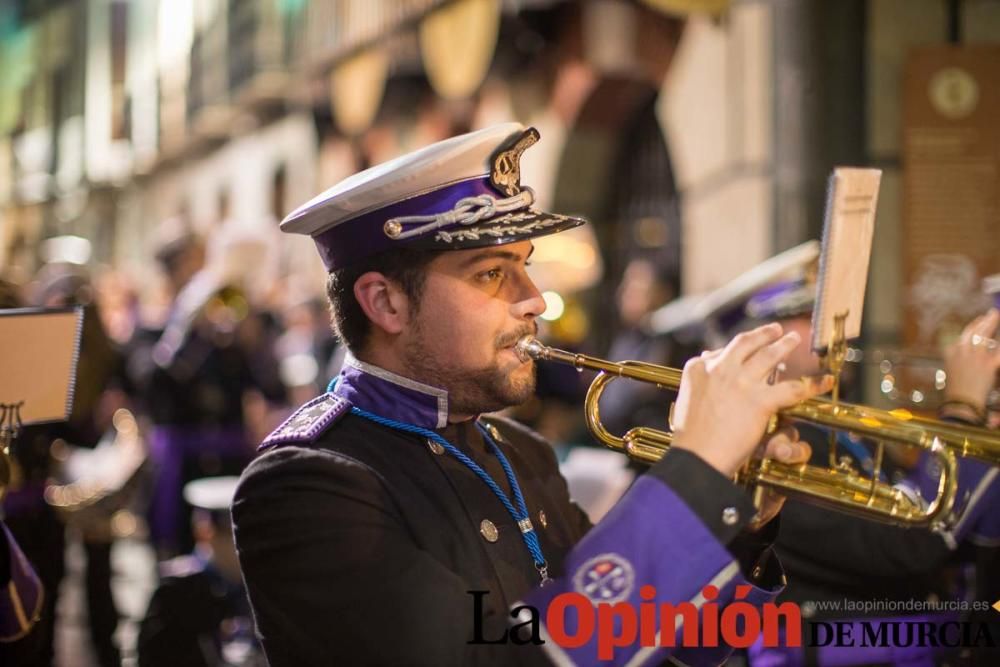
<point>845,464</point>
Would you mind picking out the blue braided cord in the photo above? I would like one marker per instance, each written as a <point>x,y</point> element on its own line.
<point>333,383</point>
<point>530,537</point>
<point>859,450</point>
<point>515,487</point>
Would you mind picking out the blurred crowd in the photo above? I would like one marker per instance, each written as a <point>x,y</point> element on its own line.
<point>200,371</point>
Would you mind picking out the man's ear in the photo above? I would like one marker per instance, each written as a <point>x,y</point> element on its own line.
<point>383,302</point>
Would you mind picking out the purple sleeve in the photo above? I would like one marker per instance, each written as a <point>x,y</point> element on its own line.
<point>978,492</point>
<point>655,547</point>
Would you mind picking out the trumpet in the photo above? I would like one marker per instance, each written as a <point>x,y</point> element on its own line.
<point>839,487</point>
<point>207,295</point>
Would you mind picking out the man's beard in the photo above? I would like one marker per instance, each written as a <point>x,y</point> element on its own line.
<point>473,391</point>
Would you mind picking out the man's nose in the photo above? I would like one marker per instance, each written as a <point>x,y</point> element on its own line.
<point>528,303</point>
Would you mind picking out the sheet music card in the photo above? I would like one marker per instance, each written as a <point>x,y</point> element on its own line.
<point>849,224</point>
<point>39,349</point>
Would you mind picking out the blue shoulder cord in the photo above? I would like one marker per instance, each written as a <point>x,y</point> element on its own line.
<point>519,513</point>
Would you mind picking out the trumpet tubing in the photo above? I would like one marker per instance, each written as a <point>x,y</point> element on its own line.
<point>841,487</point>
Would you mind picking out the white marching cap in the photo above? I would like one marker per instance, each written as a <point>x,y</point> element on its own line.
<point>463,192</point>
<point>692,310</point>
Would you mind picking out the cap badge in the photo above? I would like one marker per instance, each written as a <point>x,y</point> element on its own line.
<point>505,171</point>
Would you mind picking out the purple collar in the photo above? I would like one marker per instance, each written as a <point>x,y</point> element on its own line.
<point>392,396</point>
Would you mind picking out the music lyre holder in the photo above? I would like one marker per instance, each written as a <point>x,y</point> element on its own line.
<point>848,228</point>
<point>10,426</point>
<point>833,362</point>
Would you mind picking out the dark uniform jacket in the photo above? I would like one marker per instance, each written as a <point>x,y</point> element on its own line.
<point>364,544</point>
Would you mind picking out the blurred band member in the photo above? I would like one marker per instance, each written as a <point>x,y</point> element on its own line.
<point>832,557</point>
<point>193,375</point>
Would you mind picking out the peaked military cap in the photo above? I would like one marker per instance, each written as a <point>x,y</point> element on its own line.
<point>777,288</point>
<point>789,298</point>
<point>463,192</point>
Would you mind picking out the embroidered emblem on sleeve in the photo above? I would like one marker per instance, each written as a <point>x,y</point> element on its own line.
<point>606,578</point>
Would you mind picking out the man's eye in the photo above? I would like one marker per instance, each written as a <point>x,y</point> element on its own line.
<point>491,275</point>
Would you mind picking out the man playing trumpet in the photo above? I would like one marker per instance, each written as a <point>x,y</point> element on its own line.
<point>391,521</point>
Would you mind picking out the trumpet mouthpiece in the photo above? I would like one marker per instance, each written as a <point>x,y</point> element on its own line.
<point>528,348</point>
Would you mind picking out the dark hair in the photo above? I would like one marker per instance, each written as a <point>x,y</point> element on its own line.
<point>407,267</point>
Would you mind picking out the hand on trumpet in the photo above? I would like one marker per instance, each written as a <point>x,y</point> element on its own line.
<point>783,445</point>
<point>971,365</point>
<point>726,401</point>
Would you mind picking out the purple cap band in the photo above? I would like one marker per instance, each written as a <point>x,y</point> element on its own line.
<point>364,235</point>
<point>785,299</point>
<point>777,289</point>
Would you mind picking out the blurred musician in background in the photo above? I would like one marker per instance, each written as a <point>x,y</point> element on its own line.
<point>29,519</point>
<point>98,394</point>
<point>23,640</point>
<point>832,557</point>
<point>193,375</point>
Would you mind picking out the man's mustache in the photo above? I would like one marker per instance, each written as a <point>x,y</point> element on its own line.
<point>506,340</point>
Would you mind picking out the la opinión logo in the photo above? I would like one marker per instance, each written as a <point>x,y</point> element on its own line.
<point>573,620</point>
